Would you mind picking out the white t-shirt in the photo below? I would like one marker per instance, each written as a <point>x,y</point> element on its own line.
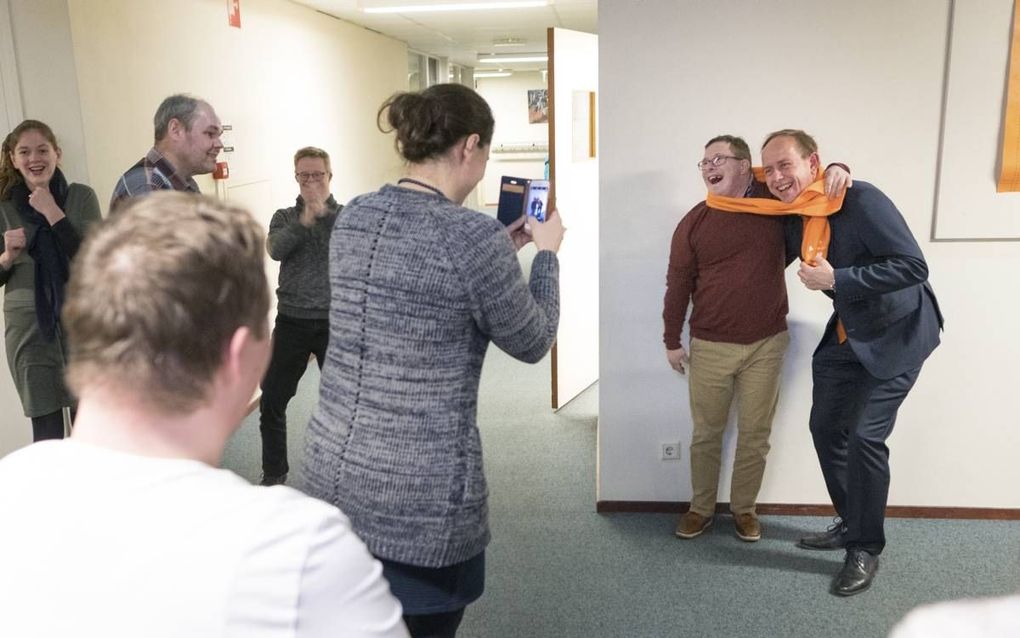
<point>95,542</point>
<point>982,618</point>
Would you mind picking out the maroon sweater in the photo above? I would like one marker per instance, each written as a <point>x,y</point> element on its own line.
<point>732,265</point>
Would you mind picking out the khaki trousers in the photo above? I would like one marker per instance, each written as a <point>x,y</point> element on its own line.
<point>720,373</point>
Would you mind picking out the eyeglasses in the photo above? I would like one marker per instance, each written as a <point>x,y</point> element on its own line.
<point>716,161</point>
<point>304,177</point>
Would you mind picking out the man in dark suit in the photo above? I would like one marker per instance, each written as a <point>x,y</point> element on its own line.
<point>885,323</point>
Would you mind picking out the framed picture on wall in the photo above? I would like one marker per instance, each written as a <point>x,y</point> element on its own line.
<point>538,106</point>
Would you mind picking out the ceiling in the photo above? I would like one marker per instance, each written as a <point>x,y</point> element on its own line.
<point>462,35</point>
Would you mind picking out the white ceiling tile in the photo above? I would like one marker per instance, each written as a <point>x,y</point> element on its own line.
<point>462,35</point>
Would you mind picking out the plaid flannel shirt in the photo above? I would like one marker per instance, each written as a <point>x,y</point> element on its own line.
<point>153,172</point>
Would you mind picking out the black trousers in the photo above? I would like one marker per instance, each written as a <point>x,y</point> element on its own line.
<point>48,426</point>
<point>294,340</point>
<point>852,415</point>
<point>443,625</point>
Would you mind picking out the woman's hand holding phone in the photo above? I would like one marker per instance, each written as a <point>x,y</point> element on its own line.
<point>547,235</point>
<point>520,234</point>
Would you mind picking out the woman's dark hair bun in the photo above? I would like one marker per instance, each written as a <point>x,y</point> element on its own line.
<point>430,122</point>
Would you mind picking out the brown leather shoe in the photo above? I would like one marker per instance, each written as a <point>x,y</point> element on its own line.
<point>747,527</point>
<point>692,525</point>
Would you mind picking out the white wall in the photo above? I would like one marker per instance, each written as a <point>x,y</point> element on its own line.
<point>508,99</point>
<point>968,205</point>
<point>575,186</point>
<point>866,79</point>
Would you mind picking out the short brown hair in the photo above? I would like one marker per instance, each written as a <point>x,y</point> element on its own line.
<point>738,146</point>
<point>312,151</point>
<point>156,293</point>
<point>805,142</point>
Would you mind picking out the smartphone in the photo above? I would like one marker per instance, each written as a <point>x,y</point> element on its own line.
<point>537,202</point>
<point>512,191</point>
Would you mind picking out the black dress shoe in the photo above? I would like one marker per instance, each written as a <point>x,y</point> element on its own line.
<point>858,571</point>
<point>832,538</point>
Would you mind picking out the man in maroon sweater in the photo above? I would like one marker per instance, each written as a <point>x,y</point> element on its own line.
<point>731,266</point>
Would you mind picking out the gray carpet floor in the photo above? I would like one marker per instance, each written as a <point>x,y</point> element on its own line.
<point>556,568</point>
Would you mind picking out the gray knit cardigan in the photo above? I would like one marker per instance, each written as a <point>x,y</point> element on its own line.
<point>303,253</point>
<point>420,286</point>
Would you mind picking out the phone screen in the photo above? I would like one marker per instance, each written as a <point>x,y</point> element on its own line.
<point>511,199</point>
<point>538,199</point>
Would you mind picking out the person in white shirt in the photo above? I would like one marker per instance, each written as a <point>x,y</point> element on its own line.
<point>127,529</point>
<point>974,618</point>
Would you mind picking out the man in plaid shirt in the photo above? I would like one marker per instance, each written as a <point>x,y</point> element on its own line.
<point>187,133</point>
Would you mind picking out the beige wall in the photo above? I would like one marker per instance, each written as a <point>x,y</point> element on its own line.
<point>290,77</point>
<point>10,92</point>
<point>14,427</point>
<point>867,79</point>
<point>47,76</point>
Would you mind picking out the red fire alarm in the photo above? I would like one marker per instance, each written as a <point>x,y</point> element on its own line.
<point>234,13</point>
<point>222,171</point>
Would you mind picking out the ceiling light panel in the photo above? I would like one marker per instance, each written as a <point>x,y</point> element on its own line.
<point>504,59</point>
<point>405,7</point>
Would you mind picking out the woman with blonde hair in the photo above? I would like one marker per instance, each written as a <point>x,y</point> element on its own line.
<point>42,221</point>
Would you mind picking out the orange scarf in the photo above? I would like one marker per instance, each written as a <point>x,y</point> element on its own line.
<point>813,205</point>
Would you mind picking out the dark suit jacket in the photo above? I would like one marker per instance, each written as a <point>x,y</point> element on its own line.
<point>882,294</point>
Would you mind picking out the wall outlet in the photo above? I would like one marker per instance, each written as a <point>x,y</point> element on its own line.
<point>670,451</point>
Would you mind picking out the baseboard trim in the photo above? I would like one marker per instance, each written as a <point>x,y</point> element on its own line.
<point>793,509</point>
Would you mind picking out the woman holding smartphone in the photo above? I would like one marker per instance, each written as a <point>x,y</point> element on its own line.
<point>420,286</point>
<point>42,220</point>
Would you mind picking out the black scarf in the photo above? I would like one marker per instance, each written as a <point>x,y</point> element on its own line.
<point>51,263</point>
